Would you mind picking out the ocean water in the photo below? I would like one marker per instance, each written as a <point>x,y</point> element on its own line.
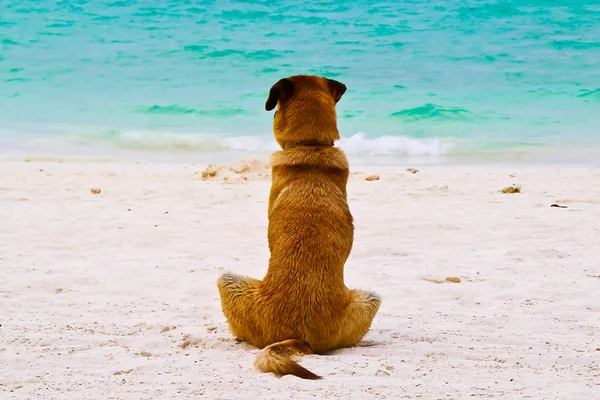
<point>434,79</point>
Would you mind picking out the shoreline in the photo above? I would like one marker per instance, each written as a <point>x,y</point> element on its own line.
<point>565,156</point>
<point>64,148</point>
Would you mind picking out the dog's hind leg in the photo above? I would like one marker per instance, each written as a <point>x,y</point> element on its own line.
<point>358,317</point>
<point>238,302</point>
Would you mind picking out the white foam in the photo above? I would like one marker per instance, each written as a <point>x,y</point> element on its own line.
<point>172,141</point>
<point>355,145</point>
<point>212,146</point>
<point>359,145</point>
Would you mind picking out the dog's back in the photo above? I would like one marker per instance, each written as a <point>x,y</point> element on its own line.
<point>310,237</point>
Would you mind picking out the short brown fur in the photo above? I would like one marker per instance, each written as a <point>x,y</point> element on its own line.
<point>302,305</point>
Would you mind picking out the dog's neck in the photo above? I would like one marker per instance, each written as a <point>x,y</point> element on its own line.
<point>288,144</point>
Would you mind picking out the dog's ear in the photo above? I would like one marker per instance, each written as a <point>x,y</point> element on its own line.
<point>283,87</point>
<point>336,88</point>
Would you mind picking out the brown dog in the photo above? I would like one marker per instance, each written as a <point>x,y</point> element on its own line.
<point>302,305</point>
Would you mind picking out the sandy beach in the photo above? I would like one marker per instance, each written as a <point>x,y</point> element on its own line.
<point>99,291</point>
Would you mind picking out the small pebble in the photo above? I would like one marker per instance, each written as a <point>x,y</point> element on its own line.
<point>453,279</point>
<point>511,189</point>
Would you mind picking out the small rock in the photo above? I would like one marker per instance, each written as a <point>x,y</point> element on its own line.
<point>413,170</point>
<point>453,279</point>
<point>557,205</point>
<point>511,189</point>
<point>381,372</point>
<point>372,178</point>
<point>95,190</point>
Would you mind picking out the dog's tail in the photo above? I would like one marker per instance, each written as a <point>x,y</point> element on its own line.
<point>280,358</point>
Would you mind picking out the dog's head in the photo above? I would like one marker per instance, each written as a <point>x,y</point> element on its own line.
<point>305,108</point>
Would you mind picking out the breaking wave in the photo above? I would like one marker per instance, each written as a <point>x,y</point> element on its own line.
<point>358,144</point>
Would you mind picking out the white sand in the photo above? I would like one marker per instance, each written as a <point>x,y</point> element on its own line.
<point>90,284</point>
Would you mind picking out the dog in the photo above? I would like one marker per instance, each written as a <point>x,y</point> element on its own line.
<point>302,305</point>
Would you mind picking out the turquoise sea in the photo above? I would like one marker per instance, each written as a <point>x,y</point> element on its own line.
<point>435,79</point>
